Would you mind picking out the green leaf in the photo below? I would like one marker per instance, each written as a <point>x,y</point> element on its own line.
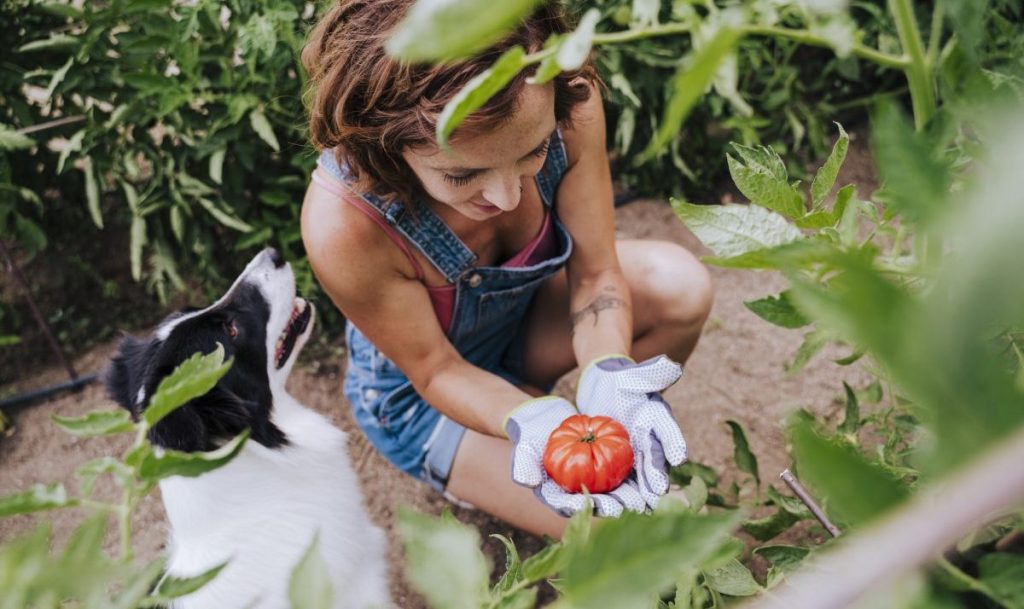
<point>546,563</point>
<point>217,165</point>
<point>778,310</point>
<point>763,529</point>
<point>174,587</point>
<point>137,242</point>
<point>812,344</point>
<point>512,562</point>
<point>745,459</point>
<point>548,68</point>
<point>826,176</point>
<point>734,230</point>
<point>783,559</point>
<point>851,423</point>
<point>915,176</point>
<point>454,29</point>
<point>39,497</point>
<point>310,584</point>
<point>10,139</point>
<point>262,127</point>
<point>92,193</point>
<point>224,217</point>
<point>57,78</point>
<point>96,423</point>
<point>90,470</point>
<point>192,378</point>
<point>733,579</point>
<point>761,176</point>
<point>1003,573</point>
<point>525,598</point>
<point>154,467</point>
<point>854,488</point>
<point>790,504</point>
<point>477,91</point>
<point>55,41</point>
<point>683,474</point>
<point>574,49</point>
<point>829,218</point>
<point>629,560</point>
<point>457,582</point>
<point>690,82</point>
<point>696,493</point>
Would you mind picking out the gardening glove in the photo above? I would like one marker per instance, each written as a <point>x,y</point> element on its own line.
<point>618,387</point>
<point>528,427</point>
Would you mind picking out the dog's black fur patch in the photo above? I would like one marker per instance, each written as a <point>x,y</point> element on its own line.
<point>241,399</point>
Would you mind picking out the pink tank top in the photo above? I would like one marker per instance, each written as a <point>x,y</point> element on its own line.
<point>539,249</point>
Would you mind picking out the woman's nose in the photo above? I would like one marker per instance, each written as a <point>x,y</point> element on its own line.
<point>504,193</point>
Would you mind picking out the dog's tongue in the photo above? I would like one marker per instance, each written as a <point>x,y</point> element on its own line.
<point>296,325</point>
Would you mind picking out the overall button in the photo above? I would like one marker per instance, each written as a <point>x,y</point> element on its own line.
<point>475,279</point>
<point>371,394</point>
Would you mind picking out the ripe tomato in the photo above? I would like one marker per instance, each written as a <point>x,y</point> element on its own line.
<point>591,452</point>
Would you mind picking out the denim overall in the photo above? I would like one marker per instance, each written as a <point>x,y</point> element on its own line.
<point>486,329</point>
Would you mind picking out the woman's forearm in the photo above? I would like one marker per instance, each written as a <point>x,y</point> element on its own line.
<point>601,316</point>
<point>471,396</point>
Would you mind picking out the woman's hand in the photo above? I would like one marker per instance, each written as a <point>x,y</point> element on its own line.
<point>628,392</point>
<point>528,427</point>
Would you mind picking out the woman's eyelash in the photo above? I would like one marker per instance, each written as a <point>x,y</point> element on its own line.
<point>459,180</point>
<point>465,179</point>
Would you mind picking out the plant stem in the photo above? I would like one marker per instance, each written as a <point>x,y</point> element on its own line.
<point>807,37</point>
<point>936,35</point>
<point>919,74</point>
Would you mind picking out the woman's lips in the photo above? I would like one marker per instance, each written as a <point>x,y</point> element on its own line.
<point>486,208</point>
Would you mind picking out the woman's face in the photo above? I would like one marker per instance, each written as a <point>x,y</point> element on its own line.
<point>482,175</point>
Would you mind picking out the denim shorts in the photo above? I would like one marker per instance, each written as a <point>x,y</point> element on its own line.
<point>400,424</point>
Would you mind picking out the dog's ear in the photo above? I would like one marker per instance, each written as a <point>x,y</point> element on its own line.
<point>125,375</point>
<point>227,414</point>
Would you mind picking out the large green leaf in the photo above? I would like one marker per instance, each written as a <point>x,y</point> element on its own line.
<point>512,564</point>
<point>761,176</point>
<point>260,124</point>
<point>192,378</point>
<point>477,91</point>
<point>173,587</point>
<point>310,584</point>
<point>96,423</point>
<point>853,488</point>
<point>155,467</point>
<point>443,30</point>
<point>734,230</point>
<point>39,497</point>
<point>783,559</point>
<point>629,560</point>
<point>459,581</point>
<point>691,80</point>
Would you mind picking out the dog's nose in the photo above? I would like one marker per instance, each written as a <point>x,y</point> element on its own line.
<point>275,257</point>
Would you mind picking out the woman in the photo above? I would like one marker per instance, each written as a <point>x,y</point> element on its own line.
<point>473,278</point>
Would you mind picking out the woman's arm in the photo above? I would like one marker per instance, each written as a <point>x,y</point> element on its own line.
<point>600,305</point>
<point>373,284</point>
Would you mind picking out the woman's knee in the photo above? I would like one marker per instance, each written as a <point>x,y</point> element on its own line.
<point>678,289</point>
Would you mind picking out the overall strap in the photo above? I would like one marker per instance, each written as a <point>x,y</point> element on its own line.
<point>555,166</point>
<point>421,227</point>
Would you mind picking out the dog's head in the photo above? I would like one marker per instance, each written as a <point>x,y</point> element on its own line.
<point>262,325</point>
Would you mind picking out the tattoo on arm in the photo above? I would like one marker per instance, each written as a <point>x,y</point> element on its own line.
<point>607,300</point>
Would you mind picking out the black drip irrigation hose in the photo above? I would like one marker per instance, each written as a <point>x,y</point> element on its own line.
<point>23,400</point>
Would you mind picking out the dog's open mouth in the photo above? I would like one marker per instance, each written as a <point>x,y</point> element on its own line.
<point>301,313</point>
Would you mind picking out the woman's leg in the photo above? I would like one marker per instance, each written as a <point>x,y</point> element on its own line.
<point>482,475</point>
<point>671,292</point>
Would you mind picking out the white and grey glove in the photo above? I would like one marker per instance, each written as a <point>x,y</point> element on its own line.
<point>528,427</point>
<point>629,392</point>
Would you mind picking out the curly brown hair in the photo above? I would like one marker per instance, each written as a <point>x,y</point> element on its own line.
<point>369,107</point>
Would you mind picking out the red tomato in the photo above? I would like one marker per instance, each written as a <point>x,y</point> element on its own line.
<point>591,452</point>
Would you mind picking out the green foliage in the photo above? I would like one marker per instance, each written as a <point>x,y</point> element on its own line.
<point>82,574</point>
<point>310,585</point>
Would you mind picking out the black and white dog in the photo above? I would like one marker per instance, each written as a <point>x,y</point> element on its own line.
<point>292,480</point>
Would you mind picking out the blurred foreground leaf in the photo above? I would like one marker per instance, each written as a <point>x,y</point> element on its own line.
<point>459,581</point>
<point>439,30</point>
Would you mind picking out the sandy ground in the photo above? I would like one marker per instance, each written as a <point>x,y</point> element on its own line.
<point>737,372</point>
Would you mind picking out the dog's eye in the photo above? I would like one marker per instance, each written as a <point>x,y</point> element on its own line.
<point>231,328</point>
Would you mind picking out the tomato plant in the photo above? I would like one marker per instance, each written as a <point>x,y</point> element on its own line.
<point>591,452</point>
